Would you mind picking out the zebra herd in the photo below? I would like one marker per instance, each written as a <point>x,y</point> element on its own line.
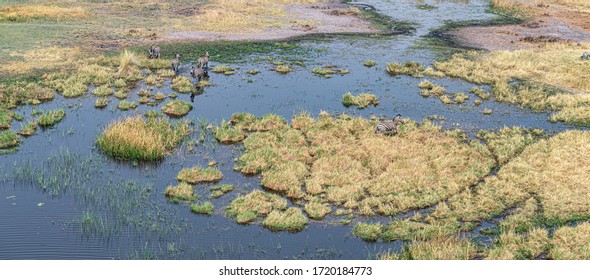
<point>201,73</point>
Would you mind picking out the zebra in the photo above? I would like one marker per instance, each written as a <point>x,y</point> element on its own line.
<point>154,52</point>
<point>586,55</point>
<point>175,63</point>
<point>389,127</point>
<point>198,73</point>
<point>204,61</point>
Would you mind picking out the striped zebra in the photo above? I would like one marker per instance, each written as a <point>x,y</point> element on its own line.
<point>154,52</point>
<point>204,61</point>
<point>175,63</point>
<point>389,127</point>
<point>586,55</point>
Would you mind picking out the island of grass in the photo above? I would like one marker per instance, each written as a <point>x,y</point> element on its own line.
<point>50,118</point>
<point>205,208</point>
<point>198,174</point>
<point>360,101</point>
<point>8,140</point>
<point>220,190</point>
<point>177,108</point>
<point>182,84</point>
<point>138,138</point>
<point>180,192</point>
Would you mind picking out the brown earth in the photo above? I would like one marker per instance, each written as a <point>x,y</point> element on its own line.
<point>551,24</point>
<point>326,17</point>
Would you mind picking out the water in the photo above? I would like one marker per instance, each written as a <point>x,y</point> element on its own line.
<point>53,230</point>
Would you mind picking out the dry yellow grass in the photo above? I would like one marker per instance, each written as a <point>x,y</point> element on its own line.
<point>580,5</point>
<point>571,243</point>
<point>238,16</point>
<point>439,248</point>
<point>512,246</point>
<point>42,12</point>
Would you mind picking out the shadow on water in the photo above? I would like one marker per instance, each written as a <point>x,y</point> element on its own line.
<point>109,209</point>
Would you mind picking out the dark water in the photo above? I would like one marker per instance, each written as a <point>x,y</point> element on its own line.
<point>53,230</point>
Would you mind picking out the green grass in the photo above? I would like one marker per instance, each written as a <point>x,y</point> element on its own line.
<point>283,69</point>
<point>410,68</point>
<point>360,101</point>
<point>182,84</point>
<point>28,129</point>
<point>368,232</point>
<point>180,192</point>
<point>198,174</point>
<point>248,208</point>
<point>220,190</point>
<point>369,63</point>
<point>101,102</point>
<point>205,208</point>
<point>140,139</point>
<point>103,91</point>
<point>317,211</point>
<point>6,117</point>
<point>126,105</point>
<point>177,108</point>
<point>222,69</point>
<point>8,140</point>
<point>50,118</point>
<point>227,134</point>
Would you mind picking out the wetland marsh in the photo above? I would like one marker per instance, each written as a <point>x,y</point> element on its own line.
<point>275,156</point>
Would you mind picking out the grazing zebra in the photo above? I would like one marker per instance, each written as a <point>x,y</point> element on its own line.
<point>204,61</point>
<point>389,127</point>
<point>154,52</point>
<point>586,55</point>
<point>198,73</point>
<point>175,63</point>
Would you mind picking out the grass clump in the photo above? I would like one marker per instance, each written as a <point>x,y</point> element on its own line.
<point>439,248</point>
<point>283,69</point>
<point>205,208</point>
<point>253,72</point>
<point>487,111</point>
<point>6,117</point>
<point>369,63</point>
<point>326,72</point>
<point>227,134</point>
<point>480,92</point>
<point>121,94</point>
<point>182,84</point>
<point>198,174</point>
<point>508,142</point>
<point>571,243</point>
<point>126,105</point>
<point>135,138</point>
<point>360,101</point>
<point>101,102</point>
<point>180,192</point>
<point>31,12</point>
<point>460,97</point>
<point>159,96</point>
<point>445,99</point>
<point>103,91</point>
<point>29,129</point>
<point>513,246</point>
<point>222,69</point>
<point>248,208</point>
<point>128,64</point>
<point>367,231</point>
<point>8,140</point>
<point>291,220</point>
<point>218,191</point>
<point>177,108</point>
<point>411,68</point>
<point>317,211</point>
<point>51,118</point>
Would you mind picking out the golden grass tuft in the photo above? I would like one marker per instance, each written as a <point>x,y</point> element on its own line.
<point>571,243</point>
<point>508,142</point>
<point>248,208</point>
<point>127,61</point>
<point>512,246</point>
<point>360,101</point>
<point>135,138</point>
<point>41,12</point>
<point>198,174</point>
<point>182,191</point>
<point>291,220</point>
<point>439,248</point>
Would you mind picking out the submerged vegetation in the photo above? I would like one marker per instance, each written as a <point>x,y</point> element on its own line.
<point>137,138</point>
<point>51,118</point>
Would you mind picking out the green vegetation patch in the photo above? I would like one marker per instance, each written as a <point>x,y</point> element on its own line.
<point>28,129</point>
<point>291,220</point>
<point>126,105</point>
<point>137,138</point>
<point>8,140</point>
<point>198,174</point>
<point>205,208</point>
<point>440,248</point>
<point>182,84</point>
<point>180,192</point>
<point>246,209</point>
<point>360,101</point>
<point>177,108</point>
<point>101,102</point>
<point>50,118</point>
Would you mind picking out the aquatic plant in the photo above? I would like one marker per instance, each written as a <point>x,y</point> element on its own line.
<point>120,83</point>
<point>222,69</point>
<point>487,111</point>
<point>50,118</point>
<point>101,102</point>
<point>140,139</point>
<point>28,129</point>
<point>182,84</point>
<point>227,134</point>
<point>182,191</point>
<point>369,63</point>
<point>204,83</point>
<point>159,96</point>
<point>8,139</point>
<point>103,91</point>
<point>460,97</point>
<point>411,68</point>
<point>445,99</point>
<point>480,92</point>
<point>283,69</point>
<point>367,231</point>
<point>6,117</point>
<point>248,208</point>
<point>253,72</point>
<point>121,93</point>
<point>205,208</point>
<point>360,101</point>
<point>198,174</point>
<point>291,220</point>
<point>126,105</point>
<point>317,211</point>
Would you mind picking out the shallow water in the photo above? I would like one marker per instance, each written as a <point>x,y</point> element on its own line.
<point>53,230</point>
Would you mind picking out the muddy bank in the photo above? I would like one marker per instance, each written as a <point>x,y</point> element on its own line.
<point>323,18</point>
<point>550,24</point>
